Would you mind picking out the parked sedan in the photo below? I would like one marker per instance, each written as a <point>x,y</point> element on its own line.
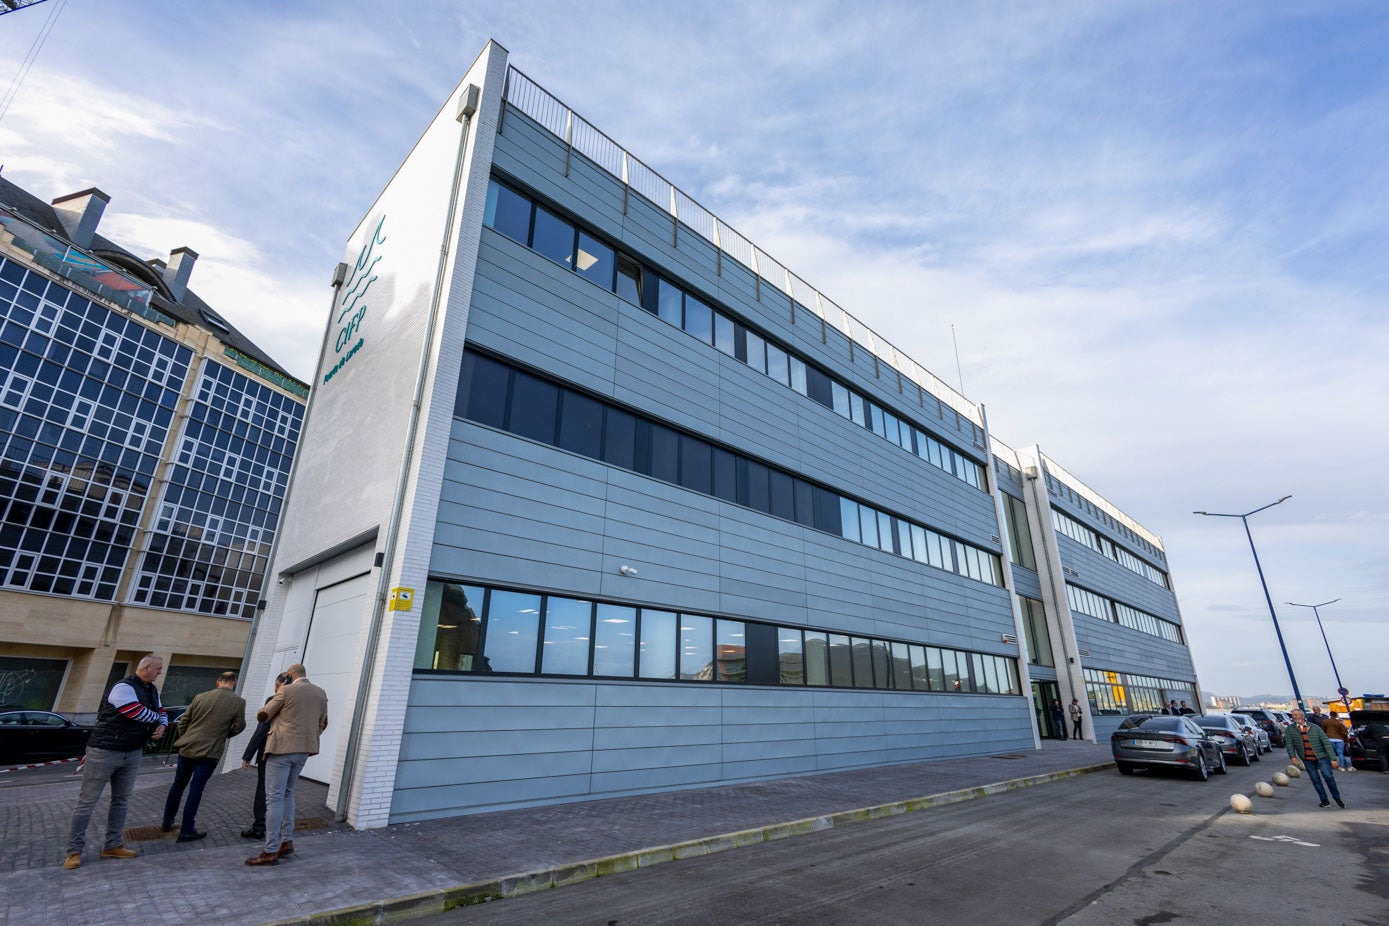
<point>1260,734</point>
<point>1271,724</point>
<point>39,736</point>
<point>1167,742</point>
<point>1236,742</point>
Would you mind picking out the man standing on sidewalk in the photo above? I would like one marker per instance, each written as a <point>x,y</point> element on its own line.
<point>129,717</point>
<point>1077,719</point>
<point>255,752</point>
<point>298,714</point>
<point>1311,750</point>
<point>203,730</point>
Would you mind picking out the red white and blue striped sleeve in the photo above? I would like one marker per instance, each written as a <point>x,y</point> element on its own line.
<point>127,703</point>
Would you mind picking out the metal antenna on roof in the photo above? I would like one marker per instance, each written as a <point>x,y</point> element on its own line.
<point>959,371</point>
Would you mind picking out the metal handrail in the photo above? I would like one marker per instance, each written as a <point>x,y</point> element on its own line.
<point>583,137</point>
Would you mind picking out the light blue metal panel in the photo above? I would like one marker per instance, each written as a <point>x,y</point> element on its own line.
<point>426,746</point>
<point>767,749</point>
<point>618,739</point>
<point>774,729</point>
<point>661,758</point>
<point>480,719</point>
<point>448,800</point>
<point>655,779</point>
<point>534,764</point>
<point>755,769</point>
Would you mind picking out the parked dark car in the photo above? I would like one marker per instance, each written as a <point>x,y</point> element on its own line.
<point>1238,743</point>
<point>1271,724</point>
<point>1362,750</point>
<point>1167,742</point>
<point>39,736</point>
<point>1260,734</point>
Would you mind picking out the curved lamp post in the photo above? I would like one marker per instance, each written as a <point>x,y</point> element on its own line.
<point>1297,693</point>
<point>1340,689</point>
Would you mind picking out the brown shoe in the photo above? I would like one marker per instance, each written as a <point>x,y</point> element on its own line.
<point>73,861</point>
<point>286,848</point>
<point>265,858</point>
<point>119,852</point>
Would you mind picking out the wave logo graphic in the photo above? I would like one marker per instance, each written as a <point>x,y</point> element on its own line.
<point>352,310</point>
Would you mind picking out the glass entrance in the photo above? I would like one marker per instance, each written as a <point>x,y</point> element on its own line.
<point>1043,695</point>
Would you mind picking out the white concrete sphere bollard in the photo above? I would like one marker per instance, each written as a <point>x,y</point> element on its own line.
<point>1280,779</point>
<point>1294,772</point>
<point>1264,789</point>
<point>1241,803</point>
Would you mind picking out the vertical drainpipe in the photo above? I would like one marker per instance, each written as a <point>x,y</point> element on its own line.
<point>1024,676</point>
<point>467,106</point>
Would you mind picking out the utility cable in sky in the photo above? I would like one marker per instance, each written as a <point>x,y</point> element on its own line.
<point>18,80</point>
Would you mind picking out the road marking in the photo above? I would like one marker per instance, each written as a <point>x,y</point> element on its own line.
<point>1292,839</point>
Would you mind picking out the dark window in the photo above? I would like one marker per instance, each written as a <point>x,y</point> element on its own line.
<point>819,386</point>
<point>483,389</point>
<point>534,403</point>
<point>723,333</point>
<point>508,212</point>
<point>665,453</point>
<point>581,424</point>
<point>695,464</point>
<point>863,663</point>
<point>758,493</point>
<point>780,492</point>
<point>725,475</point>
<point>827,513</point>
<point>564,648</point>
<point>629,276</point>
<point>841,671</point>
<point>668,301</point>
<point>595,261</point>
<point>699,319</point>
<point>513,623</point>
<point>619,442</point>
<point>816,656</point>
<point>553,237</point>
<point>778,364</point>
<point>805,503</point>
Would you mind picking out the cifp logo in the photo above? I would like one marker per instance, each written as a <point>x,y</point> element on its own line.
<point>352,310</point>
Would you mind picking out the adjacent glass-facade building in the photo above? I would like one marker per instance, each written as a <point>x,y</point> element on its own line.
<point>665,515</point>
<point>144,455</point>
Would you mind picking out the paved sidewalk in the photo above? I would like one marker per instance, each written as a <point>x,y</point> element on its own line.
<point>336,868</point>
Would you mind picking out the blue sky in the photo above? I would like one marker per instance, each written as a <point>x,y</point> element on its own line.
<point>1159,230</point>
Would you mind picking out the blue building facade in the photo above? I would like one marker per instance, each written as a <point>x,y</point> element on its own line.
<point>668,517</point>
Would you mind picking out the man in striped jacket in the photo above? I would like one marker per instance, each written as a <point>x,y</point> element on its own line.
<point>130,716</point>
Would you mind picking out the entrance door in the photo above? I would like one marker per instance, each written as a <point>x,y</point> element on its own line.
<point>1043,694</point>
<point>335,631</point>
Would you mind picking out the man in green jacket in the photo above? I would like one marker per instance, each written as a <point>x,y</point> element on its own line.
<point>1311,751</point>
<point>211,719</point>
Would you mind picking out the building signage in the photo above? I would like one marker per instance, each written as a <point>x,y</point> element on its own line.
<point>351,308</point>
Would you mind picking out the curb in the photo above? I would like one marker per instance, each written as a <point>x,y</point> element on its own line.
<point>20,768</point>
<point>441,900</point>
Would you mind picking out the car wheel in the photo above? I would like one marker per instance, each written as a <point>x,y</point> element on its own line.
<point>1124,768</point>
<point>1259,754</point>
<point>1244,756</point>
<point>1200,773</point>
<point>1222,768</point>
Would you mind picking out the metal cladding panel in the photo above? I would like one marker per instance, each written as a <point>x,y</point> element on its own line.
<point>630,737</point>
<point>1101,574</point>
<point>1122,649</point>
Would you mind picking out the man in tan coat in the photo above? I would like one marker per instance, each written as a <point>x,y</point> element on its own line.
<point>298,714</point>
<point>203,730</point>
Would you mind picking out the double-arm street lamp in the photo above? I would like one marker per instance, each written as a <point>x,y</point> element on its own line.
<point>1297,693</point>
<point>1340,689</point>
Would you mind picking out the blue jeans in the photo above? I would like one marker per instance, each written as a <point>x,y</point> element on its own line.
<point>281,775</point>
<point>1318,770</point>
<point>100,767</point>
<point>194,772</point>
<point>1340,747</point>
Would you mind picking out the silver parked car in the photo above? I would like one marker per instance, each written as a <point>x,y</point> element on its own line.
<point>1260,734</point>
<point>1167,742</point>
<point>1237,742</point>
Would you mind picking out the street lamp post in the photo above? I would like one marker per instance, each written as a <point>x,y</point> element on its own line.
<point>1297,693</point>
<point>1340,689</point>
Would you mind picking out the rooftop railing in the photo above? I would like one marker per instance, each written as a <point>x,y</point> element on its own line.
<point>583,137</point>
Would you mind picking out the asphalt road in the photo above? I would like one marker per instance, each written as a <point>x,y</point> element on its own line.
<point>1099,849</point>
<point>58,774</point>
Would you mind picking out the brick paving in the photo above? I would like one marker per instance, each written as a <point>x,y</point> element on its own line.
<point>335,867</point>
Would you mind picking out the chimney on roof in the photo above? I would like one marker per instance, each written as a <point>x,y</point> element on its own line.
<point>179,269</point>
<point>79,214</point>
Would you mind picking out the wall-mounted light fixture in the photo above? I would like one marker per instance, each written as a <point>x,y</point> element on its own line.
<point>627,570</point>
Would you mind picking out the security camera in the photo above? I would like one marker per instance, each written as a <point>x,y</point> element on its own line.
<point>627,570</point>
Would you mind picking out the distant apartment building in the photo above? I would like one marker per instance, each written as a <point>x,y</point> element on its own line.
<point>598,498</point>
<point>145,446</point>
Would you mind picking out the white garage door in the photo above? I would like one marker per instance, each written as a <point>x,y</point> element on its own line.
<point>335,631</point>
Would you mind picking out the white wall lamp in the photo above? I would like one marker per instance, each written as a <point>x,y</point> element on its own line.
<point>627,571</point>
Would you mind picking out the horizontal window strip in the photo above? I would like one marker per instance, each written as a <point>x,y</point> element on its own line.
<point>1087,602</point>
<point>1065,524</point>
<point>495,393</point>
<point>524,219</point>
<point>1112,692</point>
<point>485,630</point>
